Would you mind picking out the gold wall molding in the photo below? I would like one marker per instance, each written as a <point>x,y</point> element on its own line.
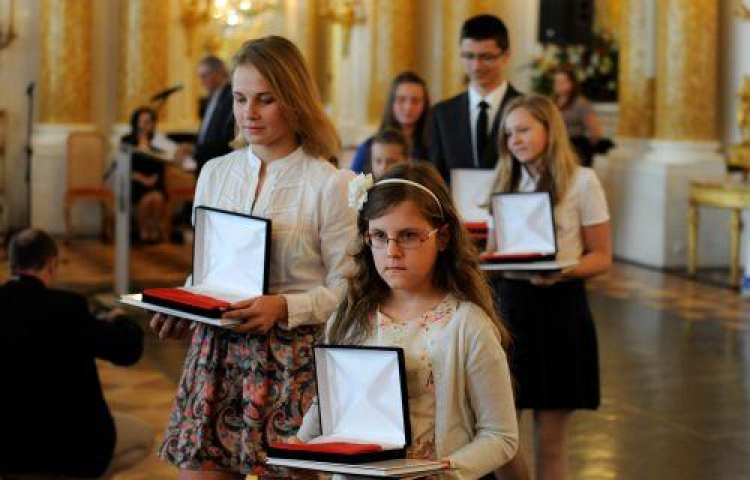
<point>454,14</point>
<point>65,77</point>
<point>395,40</point>
<point>686,78</point>
<point>636,82</point>
<point>300,26</point>
<point>741,10</point>
<point>144,52</point>
<point>7,24</point>
<point>608,15</point>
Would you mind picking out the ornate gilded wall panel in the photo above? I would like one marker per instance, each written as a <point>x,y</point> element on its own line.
<point>686,100</point>
<point>66,71</point>
<point>636,82</point>
<point>144,50</point>
<point>394,41</point>
<point>454,15</point>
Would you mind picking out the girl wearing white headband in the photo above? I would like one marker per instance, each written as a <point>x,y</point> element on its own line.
<point>418,286</point>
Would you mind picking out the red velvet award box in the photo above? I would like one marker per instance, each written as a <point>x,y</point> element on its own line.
<point>363,408</point>
<point>231,257</point>
<point>524,228</point>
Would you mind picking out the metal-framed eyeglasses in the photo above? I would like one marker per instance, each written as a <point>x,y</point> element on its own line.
<point>406,239</point>
<point>484,57</point>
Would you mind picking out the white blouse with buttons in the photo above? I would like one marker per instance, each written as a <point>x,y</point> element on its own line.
<point>312,225</point>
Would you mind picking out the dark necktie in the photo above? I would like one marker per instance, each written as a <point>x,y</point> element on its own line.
<point>481,131</point>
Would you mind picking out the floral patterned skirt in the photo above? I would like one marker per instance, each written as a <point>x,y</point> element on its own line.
<point>238,393</point>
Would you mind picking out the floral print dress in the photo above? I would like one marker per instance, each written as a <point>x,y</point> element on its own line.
<point>417,337</point>
<point>239,392</point>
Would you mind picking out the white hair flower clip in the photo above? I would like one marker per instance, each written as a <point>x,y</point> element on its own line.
<point>358,187</point>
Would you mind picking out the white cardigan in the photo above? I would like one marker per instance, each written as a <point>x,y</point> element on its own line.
<point>312,225</point>
<point>475,416</point>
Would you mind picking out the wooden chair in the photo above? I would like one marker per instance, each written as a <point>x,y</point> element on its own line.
<point>87,153</point>
<point>180,186</point>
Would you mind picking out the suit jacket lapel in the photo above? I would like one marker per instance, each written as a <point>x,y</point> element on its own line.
<point>464,133</point>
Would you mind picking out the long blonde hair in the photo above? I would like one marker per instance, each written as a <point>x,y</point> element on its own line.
<point>456,267</point>
<point>280,62</point>
<point>559,159</point>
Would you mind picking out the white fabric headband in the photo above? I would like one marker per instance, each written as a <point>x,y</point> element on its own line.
<point>360,184</point>
<point>418,185</point>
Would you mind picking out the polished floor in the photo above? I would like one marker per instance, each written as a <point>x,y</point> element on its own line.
<point>675,359</point>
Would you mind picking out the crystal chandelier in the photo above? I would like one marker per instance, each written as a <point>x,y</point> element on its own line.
<point>231,13</point>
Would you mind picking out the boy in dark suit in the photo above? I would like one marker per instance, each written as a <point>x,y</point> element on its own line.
<point>463,129</point>
<point>53,416</point>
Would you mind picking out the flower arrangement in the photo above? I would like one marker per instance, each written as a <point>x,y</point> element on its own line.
<point>595,65</point>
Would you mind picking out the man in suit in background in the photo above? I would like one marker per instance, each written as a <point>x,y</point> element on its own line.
<point>54,419</point>
<point>463,130</point>
<point>217,126</point>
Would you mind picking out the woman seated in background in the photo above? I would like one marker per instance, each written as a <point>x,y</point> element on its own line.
<point>406,110</point>
<point>582,123</point>
<point>147,191</point>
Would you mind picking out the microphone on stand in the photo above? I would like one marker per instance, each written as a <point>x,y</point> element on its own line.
<point>167,92</point>
<point>29,149</point>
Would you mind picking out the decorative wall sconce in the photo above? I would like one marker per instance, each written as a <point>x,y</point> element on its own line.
<point>223,14</point>
<point>345,13</point>
<point>230,13</point>
<point>7,30</point>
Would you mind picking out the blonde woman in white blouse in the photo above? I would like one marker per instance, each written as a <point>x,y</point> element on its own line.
<point>250,385</point>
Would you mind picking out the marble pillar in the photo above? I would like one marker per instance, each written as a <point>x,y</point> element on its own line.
<point>394,38</point>
<point>144,49</point>
<point>65,77</point>
<point>636,76</point>
<point>65,106</point>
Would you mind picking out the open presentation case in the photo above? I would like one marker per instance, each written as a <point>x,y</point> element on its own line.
<point>470,189</point>
<point>525,236</point>
<point>231,261</point>
<point>364,416</point>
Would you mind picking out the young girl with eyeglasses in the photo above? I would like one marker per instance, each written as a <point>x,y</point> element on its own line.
<point>418,286</point>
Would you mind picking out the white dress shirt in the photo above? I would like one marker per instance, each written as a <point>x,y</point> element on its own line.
<point>494,99</point>
<point>312,224</point>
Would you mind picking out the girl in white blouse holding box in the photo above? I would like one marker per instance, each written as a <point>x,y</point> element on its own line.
<point>251,384</point>
<point>554,352</point>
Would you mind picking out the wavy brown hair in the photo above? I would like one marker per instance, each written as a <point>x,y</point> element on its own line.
<point>456,268</point>
<point>559,159</point>
<point>280,62</point>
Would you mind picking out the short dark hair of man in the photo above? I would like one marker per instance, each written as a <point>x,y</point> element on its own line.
<point>213,63</point>
<point>486,27</point>
<point>391,136</point>
<point>31,249</point>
